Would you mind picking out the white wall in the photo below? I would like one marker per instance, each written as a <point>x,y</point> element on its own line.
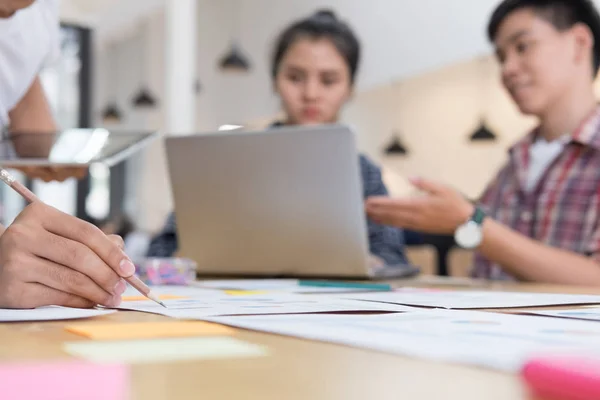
<point>396,44</point>
<point>434,114</point>
<point>110,19</point>
<point>401,38</point>
<point>122,68</point>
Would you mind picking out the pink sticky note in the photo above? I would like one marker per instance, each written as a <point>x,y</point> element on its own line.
<point>64,381</point>
<point>563,378</point>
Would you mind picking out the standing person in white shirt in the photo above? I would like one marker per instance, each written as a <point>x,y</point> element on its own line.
<point>46,257</point>
<point>28,41</point>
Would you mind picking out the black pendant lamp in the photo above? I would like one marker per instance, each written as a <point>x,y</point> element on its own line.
<point>396,147</point>
<point>483,134</point>
<point>234,61</point>
<point>112,114</point>
<point>144,99</point>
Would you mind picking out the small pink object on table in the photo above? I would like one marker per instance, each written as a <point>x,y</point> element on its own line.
<point>64,381</point>
<point>166,271</point>
<point>563,378</point>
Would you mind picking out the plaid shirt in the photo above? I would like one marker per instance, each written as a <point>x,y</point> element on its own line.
<point>384,241</point>
<point>562,210</point>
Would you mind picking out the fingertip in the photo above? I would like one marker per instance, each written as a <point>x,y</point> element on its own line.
<point>373,200</point>
<point>419,182</point>
<point>118,240</point>
<point>126,268</point>
<point>113,301</point>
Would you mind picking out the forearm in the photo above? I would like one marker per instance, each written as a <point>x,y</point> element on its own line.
<point>530,260</point>
<point>33,113</point>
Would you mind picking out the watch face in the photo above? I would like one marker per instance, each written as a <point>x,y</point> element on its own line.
<point>468,235</point>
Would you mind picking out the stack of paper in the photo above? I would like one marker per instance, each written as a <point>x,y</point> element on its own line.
<point>591,314</point>
<point>271,285</point>
<point>50,313</point>
<point>168,291</point>
<point>474,299</point>
<point>492,340</point>
<point>216,303</point>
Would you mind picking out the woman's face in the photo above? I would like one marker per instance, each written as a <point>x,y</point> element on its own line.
<point>313,81</point>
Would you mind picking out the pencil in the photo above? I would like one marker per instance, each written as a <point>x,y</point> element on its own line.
<point>28,195</point>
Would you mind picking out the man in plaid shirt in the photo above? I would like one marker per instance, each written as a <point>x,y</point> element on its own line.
<point>539,218</point>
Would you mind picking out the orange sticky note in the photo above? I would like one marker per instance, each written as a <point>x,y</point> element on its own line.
<point>161,297</point>
<point>147,330</point>
<point>245,292</point>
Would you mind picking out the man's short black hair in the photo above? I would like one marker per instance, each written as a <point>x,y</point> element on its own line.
<point>563,14</point>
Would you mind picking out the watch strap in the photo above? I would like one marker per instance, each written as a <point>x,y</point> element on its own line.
<point>478,216</point>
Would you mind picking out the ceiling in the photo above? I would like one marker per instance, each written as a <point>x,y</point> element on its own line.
<point>109,18</point>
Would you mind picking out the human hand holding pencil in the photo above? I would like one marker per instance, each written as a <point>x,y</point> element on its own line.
<point>51,258</point>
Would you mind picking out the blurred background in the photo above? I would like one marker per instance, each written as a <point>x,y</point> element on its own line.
<point>427,82</point>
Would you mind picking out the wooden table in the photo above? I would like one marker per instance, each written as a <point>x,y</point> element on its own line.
<point>294,368</point>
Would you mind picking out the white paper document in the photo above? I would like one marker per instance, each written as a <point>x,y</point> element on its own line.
<point>50,313</point>
<point>474,299</point>
<point>591,314</point>
<point>216,303</point>
<point>171,290</point>
<point>247,284</point>
<point>271,285</point>
<point>497,341</point>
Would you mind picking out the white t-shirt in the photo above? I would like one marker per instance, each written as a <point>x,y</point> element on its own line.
<point>541,154</point>
<point>28,41</point>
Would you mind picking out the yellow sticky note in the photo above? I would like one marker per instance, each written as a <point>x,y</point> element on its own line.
<point>161,297</point>
<point>164,350</point>
<point>245,292</point>
<point>146,330</point>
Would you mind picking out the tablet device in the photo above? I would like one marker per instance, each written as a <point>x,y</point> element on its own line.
<point>71,148</point>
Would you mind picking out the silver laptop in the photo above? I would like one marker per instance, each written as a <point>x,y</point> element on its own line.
<point>284,202</point>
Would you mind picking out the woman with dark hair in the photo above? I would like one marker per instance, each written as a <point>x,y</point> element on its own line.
<point>314,67</point>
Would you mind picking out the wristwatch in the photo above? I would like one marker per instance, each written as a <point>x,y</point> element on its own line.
<point>470,234</point>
